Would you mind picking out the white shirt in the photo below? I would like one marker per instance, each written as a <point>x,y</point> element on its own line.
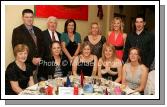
<point>55,34</point>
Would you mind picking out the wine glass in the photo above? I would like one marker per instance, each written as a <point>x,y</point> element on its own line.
<point>50,79</point>
<point>55,75</point>
<point>109,78</point>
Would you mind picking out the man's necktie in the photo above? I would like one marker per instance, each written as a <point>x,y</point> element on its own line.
<point>33,36</point>
<point>53,37</point>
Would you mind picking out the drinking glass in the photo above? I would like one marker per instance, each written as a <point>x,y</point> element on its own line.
<point>50,80</point>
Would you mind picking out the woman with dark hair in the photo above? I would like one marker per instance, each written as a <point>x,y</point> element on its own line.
<point>54,65</point>
<point>134,72</point>
<point>18,75</point>
<point>70,41</point>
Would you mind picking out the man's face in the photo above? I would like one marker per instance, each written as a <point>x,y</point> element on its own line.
<point>28,19</point>
<point>52,25</point>
<point>139,24</point>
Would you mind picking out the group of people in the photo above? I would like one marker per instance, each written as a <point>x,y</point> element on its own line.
<point>121,58</point>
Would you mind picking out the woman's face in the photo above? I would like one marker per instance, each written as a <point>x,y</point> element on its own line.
<point>94,29</point>
<point>56,49</point>
<point>86,51</point>
<point>117,25</point>
<point>133,56</point>
<point>70,27</point>
<point>108,52</point>
<point>22,56</point>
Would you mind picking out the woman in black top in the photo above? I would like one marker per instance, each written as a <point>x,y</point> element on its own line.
<point>109,66</point>
<point>53,65</point>
<point>70,41</point>
<point>95,39</point>
<point>86,62</point>
<point>18,75</point>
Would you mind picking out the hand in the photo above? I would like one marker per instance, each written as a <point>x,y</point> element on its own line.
<point>70,59</point>
<point>36,61</point>
<point>103,71</point>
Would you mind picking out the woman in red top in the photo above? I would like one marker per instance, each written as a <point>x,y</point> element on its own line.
<point>116,37</point>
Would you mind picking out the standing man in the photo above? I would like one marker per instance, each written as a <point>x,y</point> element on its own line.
<point>31,36</point>
<point>142,39</point>
<point>50,35</point>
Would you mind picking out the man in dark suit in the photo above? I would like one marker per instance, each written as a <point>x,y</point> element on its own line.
<point>142,39</point>
<point>31,36</point>
<point>50,35</point>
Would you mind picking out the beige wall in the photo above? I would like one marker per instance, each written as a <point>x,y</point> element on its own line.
<point>13,19</point>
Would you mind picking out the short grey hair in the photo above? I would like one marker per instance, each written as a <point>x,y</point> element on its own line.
<point>52,18</point>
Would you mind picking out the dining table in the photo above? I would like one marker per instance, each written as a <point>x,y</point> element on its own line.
<point>75,85</point>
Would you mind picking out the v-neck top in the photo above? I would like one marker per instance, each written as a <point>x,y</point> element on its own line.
<point>97,48</point>
<point>133,81</point>
<point>118,43</point>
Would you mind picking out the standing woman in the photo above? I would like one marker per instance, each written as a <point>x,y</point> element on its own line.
<point>18,75</point>
<point>70,41</point>
<point>109,66</point>
<point>96,39</point>
<point>134,72</point>
<point>117,37</point>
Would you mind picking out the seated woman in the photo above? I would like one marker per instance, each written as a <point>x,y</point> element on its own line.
<point>52,65</point>
<point>18,75</point>
<point>85,62</point>
<point>109,66</point>
<point>134,72</point>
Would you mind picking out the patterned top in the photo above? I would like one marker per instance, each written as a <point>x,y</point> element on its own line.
<point>97,48</point>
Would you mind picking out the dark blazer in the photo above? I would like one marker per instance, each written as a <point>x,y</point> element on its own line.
<point>21,35</point>
<point>47,42</point>
<point>145,42</point>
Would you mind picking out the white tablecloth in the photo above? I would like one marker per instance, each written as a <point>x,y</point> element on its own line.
<point>34,90</point>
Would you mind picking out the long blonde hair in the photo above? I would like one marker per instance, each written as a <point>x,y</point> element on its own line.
<point>122,24</point>
<point>105,45</point>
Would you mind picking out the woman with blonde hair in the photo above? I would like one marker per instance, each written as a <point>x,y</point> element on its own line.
<point>117,37</point>
<point>109,66</point>
<point>95,39</point>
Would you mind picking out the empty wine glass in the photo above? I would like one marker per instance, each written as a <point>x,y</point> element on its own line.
<point>109,78</point>
<point>50,79</point>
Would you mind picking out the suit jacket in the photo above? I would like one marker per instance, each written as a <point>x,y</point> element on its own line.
<point>21,35</point>
<point>145,41</point>
<point>47,42</point>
